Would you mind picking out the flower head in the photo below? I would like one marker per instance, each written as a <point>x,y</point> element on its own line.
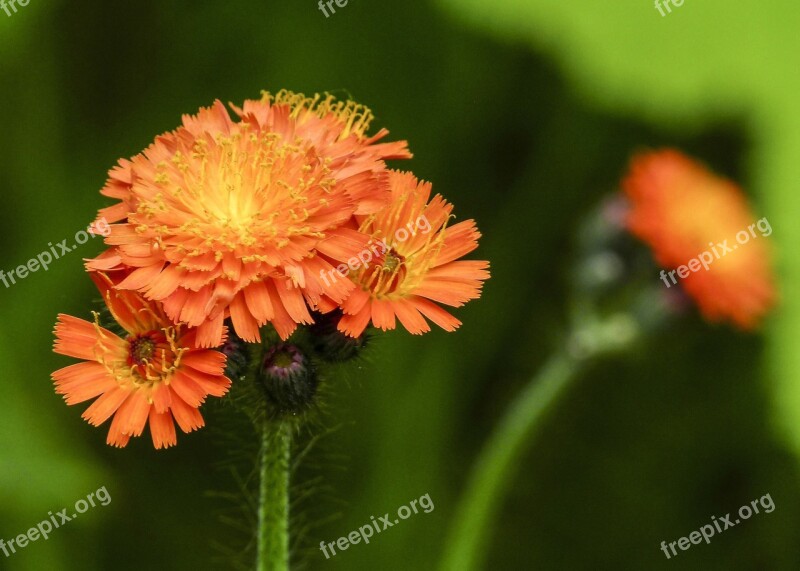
<point>682,210</point>
<point>412,262</point>
<point>224,218</point>
<point>154,373</point>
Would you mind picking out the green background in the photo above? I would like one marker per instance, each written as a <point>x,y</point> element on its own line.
<point>524,114</point>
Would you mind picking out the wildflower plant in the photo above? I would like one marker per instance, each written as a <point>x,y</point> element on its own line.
<point>231,272</point>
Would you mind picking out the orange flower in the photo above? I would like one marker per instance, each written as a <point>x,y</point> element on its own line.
<point>682,210</point>
<point>154,374</point>
<point>412,261</point>
<point>224,218</point>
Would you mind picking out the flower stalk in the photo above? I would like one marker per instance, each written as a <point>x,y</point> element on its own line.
<point>468,541</point>
<point>273,502</point>
<point>466,547</point>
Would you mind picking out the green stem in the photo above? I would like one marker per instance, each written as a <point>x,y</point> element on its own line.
<point>466,546</point>
<point>465,549</point>
<point>273,507</point>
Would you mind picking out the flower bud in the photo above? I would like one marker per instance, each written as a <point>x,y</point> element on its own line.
<point>238,355</point>
<point>331,344</point>
<point>289,378</point>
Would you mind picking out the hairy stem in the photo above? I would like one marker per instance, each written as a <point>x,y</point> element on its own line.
<point>273,507</point>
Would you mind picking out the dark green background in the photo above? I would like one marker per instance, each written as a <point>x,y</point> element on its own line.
<point>520,114</point>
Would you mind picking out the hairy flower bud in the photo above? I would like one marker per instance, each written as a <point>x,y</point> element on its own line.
<point>289,378</point>
<point>331,344</point>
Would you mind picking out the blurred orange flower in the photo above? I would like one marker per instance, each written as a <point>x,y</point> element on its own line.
<point>413,262</point>
<point>155,374</point>
<point>224,218</point>
<point>686,213</point>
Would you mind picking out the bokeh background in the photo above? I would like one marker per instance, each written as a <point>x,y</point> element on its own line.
<point>522,112</point>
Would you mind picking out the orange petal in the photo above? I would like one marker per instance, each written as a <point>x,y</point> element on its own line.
<point>214,385</point>
<point>355,302</point>
<point>141,277</point>
<point>243,321</point>
<point>133,414</point>
<point>173,305</point>
<point>162,398</point>
<point>294,302</point>
<point>187,417</point>
<point>343,243</point>
<point>354,325</point>
<point>410,317</point>
<point>80,339</point>
<point>435,313</point>
<point>165,283</point>
<point>258,301</point>
<point>460,239</point>
<point>194,310</point>
<point>115,436</point>
<point>108,260</point>
<point>210,362</point>
<point>123,234</point>
<point>105,406</point>
<point>83,381</point>
<point>187,389</point>
<point>211,332</point>
<point>128,308</point>
<point>162,430</point>
<point>382,315</point>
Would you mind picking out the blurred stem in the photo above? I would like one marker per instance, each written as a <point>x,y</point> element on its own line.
<point>466,545</point>
<point>273,507</point>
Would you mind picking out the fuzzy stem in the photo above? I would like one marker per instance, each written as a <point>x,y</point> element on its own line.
<point>273,508</point>
<point>466,544</point>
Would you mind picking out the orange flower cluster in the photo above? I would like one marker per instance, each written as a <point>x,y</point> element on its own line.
<point>246,218</point>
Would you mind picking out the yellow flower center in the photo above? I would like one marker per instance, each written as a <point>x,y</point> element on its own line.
<point>249,193</point>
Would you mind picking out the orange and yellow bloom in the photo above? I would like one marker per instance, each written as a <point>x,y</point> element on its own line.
<point>413,269</point>
<point>680,209</point>
<point>154,374</point>
<point>225,218</point>
<point>243,218</point>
